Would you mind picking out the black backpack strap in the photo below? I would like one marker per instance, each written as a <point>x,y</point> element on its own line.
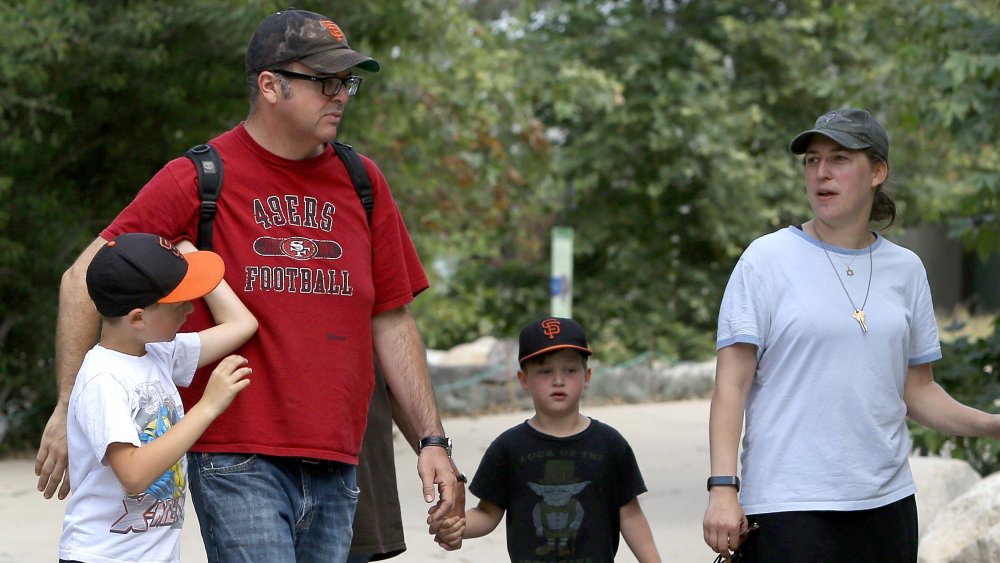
<point>209,166</point>
<point>359,175</point>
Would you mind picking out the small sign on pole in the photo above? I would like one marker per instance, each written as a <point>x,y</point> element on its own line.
<point>561,284</point>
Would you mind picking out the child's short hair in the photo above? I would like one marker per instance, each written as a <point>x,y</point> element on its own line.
<point>548,334</point>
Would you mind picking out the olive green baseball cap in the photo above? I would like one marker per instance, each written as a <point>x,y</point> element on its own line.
<point>851,128</point>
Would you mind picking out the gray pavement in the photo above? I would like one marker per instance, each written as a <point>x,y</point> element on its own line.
<point>670,441</point>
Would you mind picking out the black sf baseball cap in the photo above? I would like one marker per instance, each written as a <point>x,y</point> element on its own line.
<point>307,37</point>
<point>138,269</point>
<point>551,333</point>
<point>851,128</point>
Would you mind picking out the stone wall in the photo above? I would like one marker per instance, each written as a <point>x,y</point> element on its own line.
<point>481,377</point>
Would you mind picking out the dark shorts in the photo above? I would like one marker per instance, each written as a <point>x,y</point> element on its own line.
<point>885,534</point>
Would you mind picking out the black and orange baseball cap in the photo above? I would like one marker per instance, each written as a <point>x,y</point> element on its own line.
<point>136,270</point>
<point>548,334</point>
<point>307,37</point>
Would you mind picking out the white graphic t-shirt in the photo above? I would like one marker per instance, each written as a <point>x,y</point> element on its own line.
<point>132,400</point>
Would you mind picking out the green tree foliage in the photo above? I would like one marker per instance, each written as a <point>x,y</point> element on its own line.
<point>658,190</point>
<point>657,130</point>
<point>452,122</point>
<point>947,66</point>
<point>97,96</point>
<point>94,97</point>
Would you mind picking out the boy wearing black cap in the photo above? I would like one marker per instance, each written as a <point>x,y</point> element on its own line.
<point>126,429</point>
<point>568,483</point>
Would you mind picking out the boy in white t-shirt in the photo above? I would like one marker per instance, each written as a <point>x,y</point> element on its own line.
<point>127,433</point>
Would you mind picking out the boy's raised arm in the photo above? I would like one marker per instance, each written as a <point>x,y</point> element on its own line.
<point>234,323</point>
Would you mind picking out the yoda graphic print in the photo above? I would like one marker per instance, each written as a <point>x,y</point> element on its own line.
<point>558,516</point>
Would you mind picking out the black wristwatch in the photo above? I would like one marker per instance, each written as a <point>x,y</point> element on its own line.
<point>724,481</point>
<point>440,441</point>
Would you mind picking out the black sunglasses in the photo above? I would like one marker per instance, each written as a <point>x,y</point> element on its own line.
<point>331,84</point>
<point>747,535</point>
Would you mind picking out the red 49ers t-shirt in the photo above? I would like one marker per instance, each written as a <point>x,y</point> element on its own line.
<point>300,254</point>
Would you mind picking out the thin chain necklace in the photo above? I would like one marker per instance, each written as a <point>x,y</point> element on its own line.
<point>847,265</point>
<point>859,312</point>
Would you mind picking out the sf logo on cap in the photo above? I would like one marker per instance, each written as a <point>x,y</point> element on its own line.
<point>551,327</point>
<point>166,244</point>
<point>334,30</point>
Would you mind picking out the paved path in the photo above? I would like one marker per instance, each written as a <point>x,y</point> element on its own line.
<point>670,441</point>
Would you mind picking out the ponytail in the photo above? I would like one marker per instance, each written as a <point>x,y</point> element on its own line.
<point>884,206</point>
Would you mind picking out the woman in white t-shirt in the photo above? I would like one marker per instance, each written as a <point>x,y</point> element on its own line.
<point>826,334</point>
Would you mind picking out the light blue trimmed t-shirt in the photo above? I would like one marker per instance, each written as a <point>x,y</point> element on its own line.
<point>825,417</point>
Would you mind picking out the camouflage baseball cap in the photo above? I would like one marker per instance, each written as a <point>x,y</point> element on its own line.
<point>852,128</point>
<point>307,37</point>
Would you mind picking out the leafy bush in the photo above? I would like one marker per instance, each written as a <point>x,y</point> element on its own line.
<point>969,372</point>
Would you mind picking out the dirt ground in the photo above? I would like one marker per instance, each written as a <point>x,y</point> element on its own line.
<point>670,441</point>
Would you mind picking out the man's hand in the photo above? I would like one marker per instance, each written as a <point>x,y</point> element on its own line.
<point>52,460</point>
<point>77,328</point>
<point>444,529</point>
<point>436,470</point>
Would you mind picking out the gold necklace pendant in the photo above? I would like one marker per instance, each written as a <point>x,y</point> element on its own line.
<point>859,312</point>
<point>859,316</point>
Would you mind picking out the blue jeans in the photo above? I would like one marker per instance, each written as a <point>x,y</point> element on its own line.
<point>273,509</point>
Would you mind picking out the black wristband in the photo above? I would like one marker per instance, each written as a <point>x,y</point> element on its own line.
<point>724,481</point>
<point>440,441</point>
